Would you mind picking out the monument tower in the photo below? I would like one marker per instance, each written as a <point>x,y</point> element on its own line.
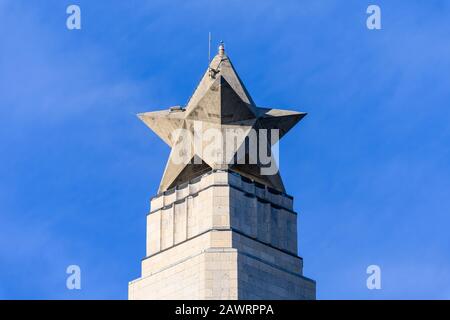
<point>221,225</point>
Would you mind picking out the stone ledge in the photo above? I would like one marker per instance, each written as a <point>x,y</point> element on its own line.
<point>262,193</point>
<point>225,229</point>
<point>197,179</point>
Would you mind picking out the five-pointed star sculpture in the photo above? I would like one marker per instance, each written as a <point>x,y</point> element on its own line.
<point>219,102</point>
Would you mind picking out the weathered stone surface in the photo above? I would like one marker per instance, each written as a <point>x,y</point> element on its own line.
<point>217,229</point>
<point>221,237</point>
<point>219,102</point>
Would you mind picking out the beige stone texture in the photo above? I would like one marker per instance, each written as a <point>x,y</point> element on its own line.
<point>222,237</point>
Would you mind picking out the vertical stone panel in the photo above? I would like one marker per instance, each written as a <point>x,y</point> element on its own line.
<point>180,222</point>
<point>153,232</point>
<point>222,242</point>
<point>192,216</point>
<point>167,228</point>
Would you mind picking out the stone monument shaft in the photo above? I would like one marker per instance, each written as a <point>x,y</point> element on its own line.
<point>221,225</point>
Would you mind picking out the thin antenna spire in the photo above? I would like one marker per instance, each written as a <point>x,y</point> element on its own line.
<point>209,48</point>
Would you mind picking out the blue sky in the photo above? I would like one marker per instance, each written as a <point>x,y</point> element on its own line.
<point>368,167</point>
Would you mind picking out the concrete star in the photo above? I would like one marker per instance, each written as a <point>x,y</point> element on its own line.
<point>222,103</point>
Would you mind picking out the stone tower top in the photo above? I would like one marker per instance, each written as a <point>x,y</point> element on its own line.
<point>222,104</point>
<point>221,48</point>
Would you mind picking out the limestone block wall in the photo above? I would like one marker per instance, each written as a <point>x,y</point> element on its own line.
<point>259,280</point>
<point>209,274</point>
<point>222,236</point>
<point>221,200</point>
